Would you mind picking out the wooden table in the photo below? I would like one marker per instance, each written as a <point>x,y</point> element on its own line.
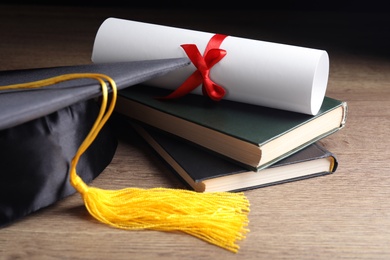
<point>340,216</point>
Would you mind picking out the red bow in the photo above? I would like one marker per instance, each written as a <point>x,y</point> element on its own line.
<point>212,56</point>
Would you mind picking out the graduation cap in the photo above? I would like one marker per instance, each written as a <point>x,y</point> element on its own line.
<point>41,129</point>
<point>54,140</point>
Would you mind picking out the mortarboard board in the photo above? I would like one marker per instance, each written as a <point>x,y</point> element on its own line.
<point>18,106</point>
<point>44,99</point>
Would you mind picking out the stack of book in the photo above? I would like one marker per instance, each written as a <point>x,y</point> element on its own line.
<point>232,146</point>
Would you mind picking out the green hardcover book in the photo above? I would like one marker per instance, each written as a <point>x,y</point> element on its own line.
<point>204,172</point>
<point>252,136</point>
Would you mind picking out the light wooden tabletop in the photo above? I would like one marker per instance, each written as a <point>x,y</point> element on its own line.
<point>345,215</point>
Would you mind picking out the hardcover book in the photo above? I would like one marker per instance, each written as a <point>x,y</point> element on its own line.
<point>204,172</point>
<point>253,136</point>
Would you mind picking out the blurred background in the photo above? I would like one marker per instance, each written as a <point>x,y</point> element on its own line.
<point>350,27</point>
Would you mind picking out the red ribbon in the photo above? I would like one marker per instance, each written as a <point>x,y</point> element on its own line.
<point>212,56</point>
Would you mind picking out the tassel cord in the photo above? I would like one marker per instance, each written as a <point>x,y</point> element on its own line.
<point>102,118</point>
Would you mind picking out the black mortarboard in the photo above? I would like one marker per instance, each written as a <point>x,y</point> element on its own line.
<point>41,129</point>
<point>48,121</point>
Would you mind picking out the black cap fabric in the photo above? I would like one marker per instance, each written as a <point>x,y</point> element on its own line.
<point>35,159</point>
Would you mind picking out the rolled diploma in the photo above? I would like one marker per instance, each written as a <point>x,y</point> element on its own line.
<point>256,72</point>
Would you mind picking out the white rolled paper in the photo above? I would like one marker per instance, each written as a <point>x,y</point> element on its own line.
<point>256,72</point>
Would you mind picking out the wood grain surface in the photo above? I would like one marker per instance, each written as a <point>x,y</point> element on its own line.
<point>345,215</point>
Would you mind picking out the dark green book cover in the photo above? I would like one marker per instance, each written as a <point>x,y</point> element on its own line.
<point>204,172</point>
<point>253,136</point>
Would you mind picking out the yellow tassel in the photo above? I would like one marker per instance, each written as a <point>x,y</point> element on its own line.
<point>220,218</point>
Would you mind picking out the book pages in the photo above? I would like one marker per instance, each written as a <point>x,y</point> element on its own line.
<point>257,72</point>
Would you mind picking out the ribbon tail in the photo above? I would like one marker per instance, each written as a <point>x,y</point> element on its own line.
<point>213,91</point>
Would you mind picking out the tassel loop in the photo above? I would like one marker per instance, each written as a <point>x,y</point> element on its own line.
<point>78,183</point>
